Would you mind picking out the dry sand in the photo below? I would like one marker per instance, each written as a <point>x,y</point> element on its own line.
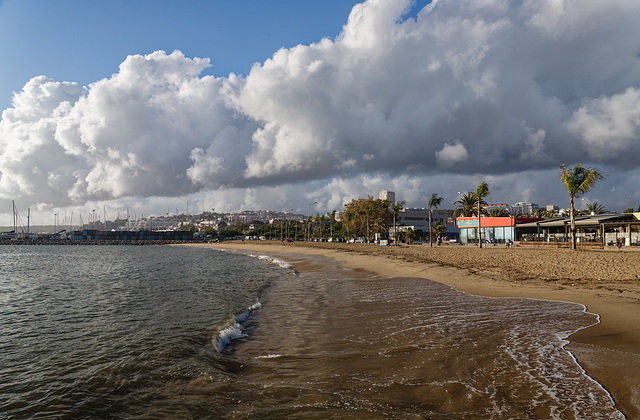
<point>606,282</point>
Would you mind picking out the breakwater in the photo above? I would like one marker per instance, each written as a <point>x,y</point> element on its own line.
<point>87,242</point>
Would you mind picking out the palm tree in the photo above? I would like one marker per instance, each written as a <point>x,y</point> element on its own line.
<point>578,181</point>
<point>396,208</point>
<point>369,211</point>
<point>332,216</point>
<point>438,228</point>
<point>540,213</point>
<point>308,231</point>
<point>481,192</point>
<point>434,202</point>
<point>596,208</point>
<point>317,219</point>
<point>347,218</point>
<point>498,212</point>
<point>380,226</point>
<point>410,235</point>
<point>465,206</point>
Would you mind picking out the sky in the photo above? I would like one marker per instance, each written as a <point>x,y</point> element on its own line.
<point>163,106</point>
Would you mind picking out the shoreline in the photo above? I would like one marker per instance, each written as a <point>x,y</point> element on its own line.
<point>604,282</point>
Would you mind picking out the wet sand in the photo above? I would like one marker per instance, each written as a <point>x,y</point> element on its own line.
<point>606,282</point>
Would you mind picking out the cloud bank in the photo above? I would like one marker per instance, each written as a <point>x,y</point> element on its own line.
<point>465,91</point>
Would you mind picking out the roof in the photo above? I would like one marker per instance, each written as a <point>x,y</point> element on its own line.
<point>581,221</point>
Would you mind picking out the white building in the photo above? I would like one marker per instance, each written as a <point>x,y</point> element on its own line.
<point>418,219</point>
<point>388,195</point>
<point>524,208</point>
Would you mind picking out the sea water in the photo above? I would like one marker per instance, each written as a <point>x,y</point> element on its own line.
<point>185,332</point>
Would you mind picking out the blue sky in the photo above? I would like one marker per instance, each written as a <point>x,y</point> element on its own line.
<point>84,41</point>
<point>248,105</point>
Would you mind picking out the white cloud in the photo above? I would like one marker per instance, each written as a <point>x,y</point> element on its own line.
<point>452,153</point>
<point>609,126</point>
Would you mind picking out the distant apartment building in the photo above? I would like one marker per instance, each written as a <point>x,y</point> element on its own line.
<point>524,208</point>
<point>266,216</point>
<point>418,219</point>
<point>501,206</point>
<point>388,195</point>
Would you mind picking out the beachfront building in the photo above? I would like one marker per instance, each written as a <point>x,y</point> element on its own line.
<point>593,231</point>
<point>496,230</point>
<point>418,219</point>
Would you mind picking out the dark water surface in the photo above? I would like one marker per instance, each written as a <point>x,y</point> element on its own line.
<point>108,331</point>
<point>136,332</point>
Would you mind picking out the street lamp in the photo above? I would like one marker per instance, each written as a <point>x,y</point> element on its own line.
<point>287,218</point>
<point>308,216</point>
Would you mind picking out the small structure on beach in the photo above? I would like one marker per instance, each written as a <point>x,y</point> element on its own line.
<point>594,231</point>
<point>496,230</point>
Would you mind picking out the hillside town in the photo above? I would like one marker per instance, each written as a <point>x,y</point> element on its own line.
<point>382,221</point>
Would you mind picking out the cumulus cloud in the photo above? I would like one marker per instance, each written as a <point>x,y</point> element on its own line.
<point>471,89</point>
<point>452,153</point>
<point>609,127</point>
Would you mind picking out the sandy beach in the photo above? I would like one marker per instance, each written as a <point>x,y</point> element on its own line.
<point>606,282</point>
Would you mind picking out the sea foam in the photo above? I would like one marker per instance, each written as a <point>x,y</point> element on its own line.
<point>233,332</point>
<point>275,261</point>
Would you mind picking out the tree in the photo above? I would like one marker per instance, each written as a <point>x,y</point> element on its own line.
<point>364,212</point>
<point>208,230</point>
<point>347,218</point>
<point>369,211</point>
<point>332,216</point>
<point>396,208</point>
<point>540,213</point>
<point>189,228</point>
<point>498,212</point>
<point>318,220</point>
<point>434,202</point>
<point>410,235</point>
<point>307,230</point>
<point>596,208</point>
<point>381,226</point>
<point>465,205</point>
<point>439,228</point>
<point>481,192</point>
<point>578,181</point>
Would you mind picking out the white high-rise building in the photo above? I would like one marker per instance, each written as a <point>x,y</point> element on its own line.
<point>388,195</point>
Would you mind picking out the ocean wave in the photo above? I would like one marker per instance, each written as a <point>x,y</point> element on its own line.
<point>234,331</point>
<point>269,356</point>
<point>267,258</point>
<point>275,261</point>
